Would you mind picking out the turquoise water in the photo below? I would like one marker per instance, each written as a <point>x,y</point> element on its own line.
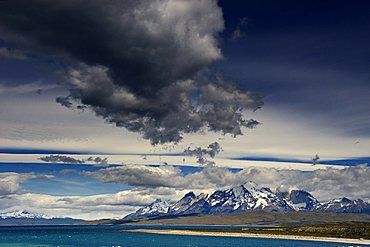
<point>114,236</point>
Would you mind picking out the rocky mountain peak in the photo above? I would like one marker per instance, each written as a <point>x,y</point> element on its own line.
<point>250,197</point>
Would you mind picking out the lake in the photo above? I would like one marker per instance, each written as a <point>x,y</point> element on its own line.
<point>64,236</point>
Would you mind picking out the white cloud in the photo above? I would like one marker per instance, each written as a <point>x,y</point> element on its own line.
<point>10,181</point>
<point>87,207</point>
<point>325,183</point>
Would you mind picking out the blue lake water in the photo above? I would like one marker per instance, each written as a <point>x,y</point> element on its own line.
<point>114,236</point>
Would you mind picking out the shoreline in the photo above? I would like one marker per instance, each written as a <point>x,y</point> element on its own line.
<point>251,235</point>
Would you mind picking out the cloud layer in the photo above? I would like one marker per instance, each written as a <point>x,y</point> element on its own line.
<point>137,64</point>
<point>115,205</point>
<point>169,182</point>
<point>323,183</point>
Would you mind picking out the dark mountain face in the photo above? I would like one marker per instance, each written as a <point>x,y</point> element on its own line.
<point>199,207</point>
<point>301,199</point>
<point>180,206</point>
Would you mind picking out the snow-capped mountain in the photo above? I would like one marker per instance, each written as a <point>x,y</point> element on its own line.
<point>248,197</point>
<point>23,214</point>
<point>344,205</point>
<point>24,217</point>
<point>156,208</point>
<point>244,198</point>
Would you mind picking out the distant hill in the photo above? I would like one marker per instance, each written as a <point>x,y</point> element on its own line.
<point>24,217</point>
<point>248,197</point>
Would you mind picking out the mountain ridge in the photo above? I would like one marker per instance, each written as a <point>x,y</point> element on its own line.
<point>24,217</point>
<point>249,197</point>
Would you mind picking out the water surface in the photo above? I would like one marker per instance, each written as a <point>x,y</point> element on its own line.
<point>64,236</point>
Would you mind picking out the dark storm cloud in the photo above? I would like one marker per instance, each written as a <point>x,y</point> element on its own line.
<point>135,62</point>
<point>202,153</point>
<point>64,101</point>
<point>98,160</point>
<point>315,159</point>
<point>61,159</point>
<point>70,160</point>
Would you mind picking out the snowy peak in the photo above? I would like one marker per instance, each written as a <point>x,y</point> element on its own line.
<point>156,208</point>
<point>23,217</point>
<point>159,206</point>
<point>247,197</point>
<point>344,205</point>
<point>23,214</point>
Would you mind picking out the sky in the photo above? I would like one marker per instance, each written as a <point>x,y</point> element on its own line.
<point>138,82</point>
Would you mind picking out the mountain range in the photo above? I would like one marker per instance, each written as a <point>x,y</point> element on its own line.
<point>24,217</point>
<point>248,197</point>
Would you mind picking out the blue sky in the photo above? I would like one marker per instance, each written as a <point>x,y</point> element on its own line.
<point>123,80</point>
<point>67,179</point>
